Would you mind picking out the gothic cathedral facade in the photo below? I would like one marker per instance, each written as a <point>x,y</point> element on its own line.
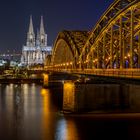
<point>36,49</point>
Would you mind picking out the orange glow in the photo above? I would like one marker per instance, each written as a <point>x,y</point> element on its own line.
<point>46,79</point>
<point>72,133</point>
<point>46,100</point>
<point>43,92</point>
<point>68,86</point>
<point>46,123</point>
<point>69,96</point>
<point>128,55</point>
<point>125,57</point>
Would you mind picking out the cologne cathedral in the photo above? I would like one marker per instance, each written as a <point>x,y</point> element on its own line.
<point>36,50</point>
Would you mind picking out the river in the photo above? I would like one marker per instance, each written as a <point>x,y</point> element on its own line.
<point>30,112</point>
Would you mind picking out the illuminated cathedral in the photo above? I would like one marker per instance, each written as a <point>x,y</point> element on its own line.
<point>36,49</point>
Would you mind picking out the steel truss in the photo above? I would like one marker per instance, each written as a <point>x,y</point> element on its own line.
<point>114,43</point>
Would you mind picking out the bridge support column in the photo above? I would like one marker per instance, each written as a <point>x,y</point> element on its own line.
<point>83,97</point>
<point>46,79</point>
<point>69,97</point>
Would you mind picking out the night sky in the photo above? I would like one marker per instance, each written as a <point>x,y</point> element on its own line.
<point>58,15</point>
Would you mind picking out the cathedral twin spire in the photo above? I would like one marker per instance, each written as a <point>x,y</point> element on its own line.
<point>31,29</point>
<point>42,31</point>
<point>41,36</point>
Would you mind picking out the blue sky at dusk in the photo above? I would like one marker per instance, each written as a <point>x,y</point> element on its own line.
<point>58,15</point>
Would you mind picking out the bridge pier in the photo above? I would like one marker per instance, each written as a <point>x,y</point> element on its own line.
<point>84,97</point>
<point>46,80</point>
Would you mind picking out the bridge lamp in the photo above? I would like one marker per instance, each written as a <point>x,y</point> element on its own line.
<point>128,55</point>
<point>135,50</point>
<point>125,57</point>
<point>43,92</point>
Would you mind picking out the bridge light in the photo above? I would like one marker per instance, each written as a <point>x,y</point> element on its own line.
<point>128,55</point>
<point>43,92</point>
<point>135,50</point>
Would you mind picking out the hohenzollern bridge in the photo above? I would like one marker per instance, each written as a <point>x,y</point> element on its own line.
<point>112,47</point>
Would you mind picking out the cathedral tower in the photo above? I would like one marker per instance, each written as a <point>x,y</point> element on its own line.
<point>36,50</point>
<point>43,35</point>
<point>31,34</point>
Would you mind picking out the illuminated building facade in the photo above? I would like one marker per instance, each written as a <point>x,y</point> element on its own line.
<point>36,50</point>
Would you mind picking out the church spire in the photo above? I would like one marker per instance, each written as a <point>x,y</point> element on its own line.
<point>31,34</point>
<point>42,31</point>
<point>31,30</point>
<point>43,36</point>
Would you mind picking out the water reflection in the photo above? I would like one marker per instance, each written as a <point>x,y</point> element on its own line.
<point>54,125</point>
<point>29,112</point>
<point>46,116</point>
<point>66,130</point>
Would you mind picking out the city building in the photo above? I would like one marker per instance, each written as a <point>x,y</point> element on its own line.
<point>36,49</point>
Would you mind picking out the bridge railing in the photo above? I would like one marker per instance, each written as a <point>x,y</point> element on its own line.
<point>128,73</point>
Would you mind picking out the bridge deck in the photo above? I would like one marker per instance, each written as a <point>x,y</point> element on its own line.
<point>124,73</point>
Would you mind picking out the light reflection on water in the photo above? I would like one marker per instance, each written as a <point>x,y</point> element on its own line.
<point>29,112</point>
<point>66,130</point>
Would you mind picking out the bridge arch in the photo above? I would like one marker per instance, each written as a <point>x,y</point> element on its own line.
<point>67,48</point>
<point>115,40</point>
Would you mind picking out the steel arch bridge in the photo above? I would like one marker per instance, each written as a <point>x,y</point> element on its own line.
<point>67,48</point>
<point>115,40</point>
<point>113,44</point>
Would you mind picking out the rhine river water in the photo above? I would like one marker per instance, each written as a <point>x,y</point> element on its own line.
<point>30,112</point>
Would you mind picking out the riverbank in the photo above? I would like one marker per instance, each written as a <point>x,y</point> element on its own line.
<point>21,80</point>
